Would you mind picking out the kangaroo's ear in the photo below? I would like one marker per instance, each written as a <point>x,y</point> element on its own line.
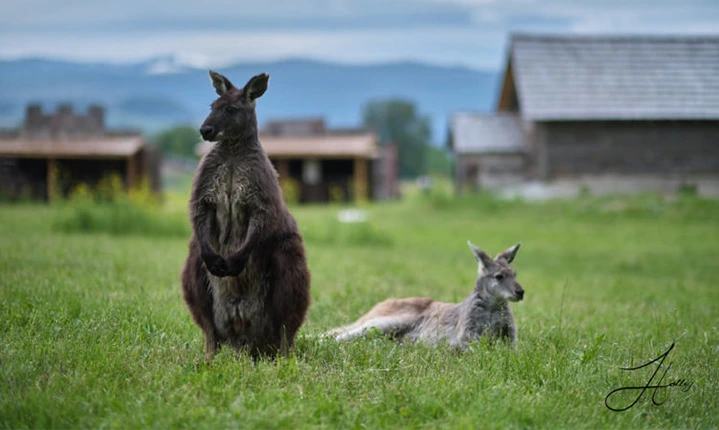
<point>256,86</point>
<point>510,253</point>
<point>221,83</point>
<point>482,258</point>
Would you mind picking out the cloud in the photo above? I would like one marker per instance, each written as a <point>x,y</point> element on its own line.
<point>220,48</point>
<point>79,15</point>
<point>653,16</point>
<point>218,32</point>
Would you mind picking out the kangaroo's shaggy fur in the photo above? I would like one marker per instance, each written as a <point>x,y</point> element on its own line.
<point>485,311</point>
<point>245,280</point>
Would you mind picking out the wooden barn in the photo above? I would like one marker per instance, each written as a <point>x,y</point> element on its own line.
<point>329,165</point>
<point>610,105</point>
<point>51,154</point>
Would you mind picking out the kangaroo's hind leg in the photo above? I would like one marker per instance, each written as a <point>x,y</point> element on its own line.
<point>197,295</point>
<point>394,326</point>
<point>290,294</point>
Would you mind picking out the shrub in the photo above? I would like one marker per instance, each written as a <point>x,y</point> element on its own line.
<point>336,194</point>
<point>290,190</point>
<point>107,208</point>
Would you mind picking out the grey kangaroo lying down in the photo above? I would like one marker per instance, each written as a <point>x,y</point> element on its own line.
<point>485,312</point>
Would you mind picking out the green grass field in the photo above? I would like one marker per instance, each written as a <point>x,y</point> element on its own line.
<point>95,333</point>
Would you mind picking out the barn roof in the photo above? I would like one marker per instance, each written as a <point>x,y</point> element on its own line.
<point>482,134</point>
<point>100,147</point>
<point>613,77</point>
<point>327,145</point>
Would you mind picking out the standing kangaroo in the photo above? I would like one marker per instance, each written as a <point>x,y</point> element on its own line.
<point>485,311</point>
<point>245,280</point>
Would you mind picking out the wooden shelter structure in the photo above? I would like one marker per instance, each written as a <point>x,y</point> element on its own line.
<point>328,165</point>
<point>51,154</point>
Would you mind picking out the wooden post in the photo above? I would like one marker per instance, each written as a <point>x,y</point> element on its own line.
<point>541,151</point>
<point>360,180</point>
<point>130,172</point>
<point>51,179</point>
<point>283,168</point>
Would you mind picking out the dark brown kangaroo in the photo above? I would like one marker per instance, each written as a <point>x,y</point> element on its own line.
<point>245,280</point>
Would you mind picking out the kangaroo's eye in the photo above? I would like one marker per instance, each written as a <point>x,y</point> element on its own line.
<point>229,109</point>
<point>499,276</point>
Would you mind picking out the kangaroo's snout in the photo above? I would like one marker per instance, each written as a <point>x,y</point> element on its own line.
<point>519,293</point>
<point>207,132</point>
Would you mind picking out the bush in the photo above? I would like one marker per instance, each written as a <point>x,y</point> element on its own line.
<point>290,190</point>
<point>107,208</point>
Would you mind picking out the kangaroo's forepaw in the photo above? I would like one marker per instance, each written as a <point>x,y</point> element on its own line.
<point>236,264</point>
<point>216,265</point>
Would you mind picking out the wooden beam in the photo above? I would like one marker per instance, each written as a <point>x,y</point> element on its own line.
<point>361,180</point>
<point>508,94</point>
<point>130,173</point>
<point>283,168</point>
<point>540,149</point>
<point>51,179</point>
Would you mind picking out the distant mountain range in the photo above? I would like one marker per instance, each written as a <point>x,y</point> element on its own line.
<point>162,92</point>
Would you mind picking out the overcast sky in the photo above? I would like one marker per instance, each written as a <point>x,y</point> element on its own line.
<point>219,32</point>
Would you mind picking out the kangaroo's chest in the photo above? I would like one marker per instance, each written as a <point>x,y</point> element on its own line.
<point>499,322</point>
<point>232,195</point>
<point>232,187</point>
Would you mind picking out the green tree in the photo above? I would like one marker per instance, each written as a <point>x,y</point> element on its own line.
<point>437,161</point>
<point>398,121</point>
<point>180,141</point>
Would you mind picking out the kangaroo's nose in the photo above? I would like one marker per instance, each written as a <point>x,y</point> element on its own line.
<point>520,293</point>
<point>206,132</point>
